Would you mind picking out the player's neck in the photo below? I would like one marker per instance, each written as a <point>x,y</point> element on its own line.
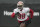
<point>21,9</point>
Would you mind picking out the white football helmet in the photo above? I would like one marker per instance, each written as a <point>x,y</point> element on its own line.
<point>20,5</point>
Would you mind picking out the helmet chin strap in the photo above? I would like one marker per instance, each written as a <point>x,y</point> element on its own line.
<point>21,9</point>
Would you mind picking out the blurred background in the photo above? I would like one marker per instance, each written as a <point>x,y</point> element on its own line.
<point>7,7</point>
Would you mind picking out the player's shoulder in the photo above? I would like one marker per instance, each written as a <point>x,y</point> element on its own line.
<point>26,8</point>
<point>15,9</point>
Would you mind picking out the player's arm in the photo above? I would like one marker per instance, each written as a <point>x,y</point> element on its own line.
<point>14,13</point>
<point>31,13</point>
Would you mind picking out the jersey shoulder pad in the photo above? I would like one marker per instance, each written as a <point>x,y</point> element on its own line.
<point>27,9</point>
<point>15,9</point>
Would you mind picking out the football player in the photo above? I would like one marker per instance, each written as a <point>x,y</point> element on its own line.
<point>21,13</point>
